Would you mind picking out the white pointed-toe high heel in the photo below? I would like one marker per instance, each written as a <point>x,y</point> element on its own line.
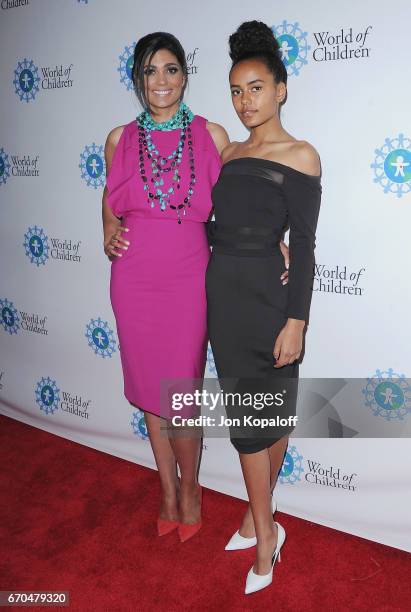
<point>239,542</point>
<point>256,582</point>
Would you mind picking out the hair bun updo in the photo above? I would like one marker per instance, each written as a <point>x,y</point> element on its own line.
<point>252,37</point>
<point>256,39</point>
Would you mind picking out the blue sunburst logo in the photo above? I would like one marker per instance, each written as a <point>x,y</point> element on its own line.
<point>9,318</point>
<point>138,424</point>
<point>26,80</point>
<point>293,46</point>
<point>47,395</point>
<point>388,394</point>
<point>392,165</point>
<point>125,67</point>
<point>4,166</point>
<point>292,468</point>
<point>92,165</point>
<point>36,245</point>
<point>100,337</point>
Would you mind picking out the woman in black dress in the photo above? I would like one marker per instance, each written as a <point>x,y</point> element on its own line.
<point>256,324</point>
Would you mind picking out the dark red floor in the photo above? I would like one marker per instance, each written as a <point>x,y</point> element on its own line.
<point>75,519</point>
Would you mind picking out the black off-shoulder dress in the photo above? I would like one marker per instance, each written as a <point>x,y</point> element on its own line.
<point>255,200</point>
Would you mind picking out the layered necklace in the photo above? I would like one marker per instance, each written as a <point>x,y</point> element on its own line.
<point>160,164</point>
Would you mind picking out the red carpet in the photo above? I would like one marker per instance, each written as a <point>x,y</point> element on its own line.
<point>78,520</point>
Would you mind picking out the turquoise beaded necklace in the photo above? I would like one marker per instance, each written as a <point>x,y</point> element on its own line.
<point>175,122</point>
<point>161,164</point>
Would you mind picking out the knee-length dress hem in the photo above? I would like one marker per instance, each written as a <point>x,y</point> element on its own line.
<point>157,287</point>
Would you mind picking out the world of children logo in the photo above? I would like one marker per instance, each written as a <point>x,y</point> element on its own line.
<point>292,467</point>
<point>92,165</point>
<point>9,320</point>
<point>27,81</point>
<point>388,394</point>
<point>20,166</point>
<point>50,398</point>
<point>4,166</point>
<point>346,43</point>
<point>10,4</point>
<point>139,425</point>
<point>12,322</point>
<point>392,165</point>
<point>100,337</point>
<point>293,46</point>
<point>125,67</point>
<point>38,250</point>
<point>47,395</point>
<point>36,245</point>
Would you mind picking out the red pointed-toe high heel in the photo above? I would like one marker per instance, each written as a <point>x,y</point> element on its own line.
<point>187,530</point>
<point>164,526</point>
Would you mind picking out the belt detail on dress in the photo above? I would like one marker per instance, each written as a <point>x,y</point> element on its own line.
<point>231,238</point>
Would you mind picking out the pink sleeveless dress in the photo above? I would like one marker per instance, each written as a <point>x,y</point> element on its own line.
<point>157,287</point>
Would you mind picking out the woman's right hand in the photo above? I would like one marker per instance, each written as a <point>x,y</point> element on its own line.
<point>116,241</point>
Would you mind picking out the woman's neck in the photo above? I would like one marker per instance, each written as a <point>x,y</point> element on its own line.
<point>160,115</point>
<point>269,131</point>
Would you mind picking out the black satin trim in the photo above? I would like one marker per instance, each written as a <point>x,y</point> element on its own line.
<point>261,172</point>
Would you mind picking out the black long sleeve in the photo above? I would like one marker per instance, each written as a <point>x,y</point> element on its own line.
<point>303,197</point>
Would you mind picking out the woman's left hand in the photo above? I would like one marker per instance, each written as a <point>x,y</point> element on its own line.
<point>289,343</point>
<point>285,253</point>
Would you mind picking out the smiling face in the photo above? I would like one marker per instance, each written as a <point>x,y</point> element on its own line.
<point>255,94</point>
<point>163,80</point>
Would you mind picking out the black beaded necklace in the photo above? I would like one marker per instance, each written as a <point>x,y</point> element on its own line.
<point>159,164</point>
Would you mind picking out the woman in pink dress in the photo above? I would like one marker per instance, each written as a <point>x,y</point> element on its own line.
<point>161,169</point>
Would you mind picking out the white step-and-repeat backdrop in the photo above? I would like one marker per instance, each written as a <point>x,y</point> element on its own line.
<point>65,82</point>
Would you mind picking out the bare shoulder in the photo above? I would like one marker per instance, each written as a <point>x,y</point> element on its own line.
<point>229,151</point>
<point>216,128</point>
<point>218,134</point>
<point>305,158</point>
<point>111,143</point>
<point>114,136</point>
